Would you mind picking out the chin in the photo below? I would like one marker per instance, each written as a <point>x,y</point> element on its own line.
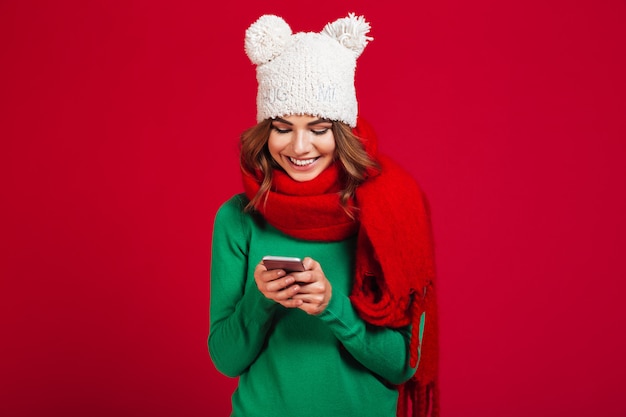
<point>302,177</point>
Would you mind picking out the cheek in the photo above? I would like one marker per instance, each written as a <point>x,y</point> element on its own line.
<point>275,145</point>
<point>329,147</point>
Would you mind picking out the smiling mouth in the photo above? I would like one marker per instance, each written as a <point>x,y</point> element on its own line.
<point>302,162</point>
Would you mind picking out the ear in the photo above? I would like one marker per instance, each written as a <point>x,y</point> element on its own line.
<point>350,32</point>
<point>266,38</point>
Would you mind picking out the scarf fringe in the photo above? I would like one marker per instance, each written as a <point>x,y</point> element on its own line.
<point>416,399</point>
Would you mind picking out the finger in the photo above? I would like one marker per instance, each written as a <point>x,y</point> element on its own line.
<point>303,277</point>
<point>316,296</point>
<point>312,308</point>
<point>279,284</point>
<point>271,275</point>
<point>291,303</point>
<point>310,263</point>
<point>260,268</point>
<point>286,294</point>
<point>316,287</point>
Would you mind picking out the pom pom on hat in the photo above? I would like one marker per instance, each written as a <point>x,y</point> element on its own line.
<point>350,31</point>
<point>266,39</point>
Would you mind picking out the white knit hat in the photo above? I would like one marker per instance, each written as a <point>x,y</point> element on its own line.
<point>306,73</point>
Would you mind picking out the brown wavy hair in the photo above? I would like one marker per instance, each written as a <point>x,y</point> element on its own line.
<point>354,160</point>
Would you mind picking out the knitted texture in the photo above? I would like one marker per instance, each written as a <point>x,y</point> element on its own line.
<point>315,212</point>
<point>306,73</point>
<point>395,274</point>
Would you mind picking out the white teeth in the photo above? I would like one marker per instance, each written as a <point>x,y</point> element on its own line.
<point>302,162</point>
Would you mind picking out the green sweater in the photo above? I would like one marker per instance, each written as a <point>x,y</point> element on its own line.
<point>290,363</point>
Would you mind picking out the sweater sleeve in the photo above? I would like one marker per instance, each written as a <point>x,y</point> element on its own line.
<point>383,350</point>
<point>239,317</point>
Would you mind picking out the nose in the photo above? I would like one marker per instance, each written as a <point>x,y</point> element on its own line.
<point>301,142</point>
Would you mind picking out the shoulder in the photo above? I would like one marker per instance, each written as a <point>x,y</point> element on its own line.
<point>231,218</point>
<point>234,206</point>
<point>233,210</point>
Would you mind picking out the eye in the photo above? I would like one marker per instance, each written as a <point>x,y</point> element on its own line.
<point>279,130</point>
<point>320,132</point>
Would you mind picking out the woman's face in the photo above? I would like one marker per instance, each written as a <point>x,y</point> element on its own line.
<point>303,146</point>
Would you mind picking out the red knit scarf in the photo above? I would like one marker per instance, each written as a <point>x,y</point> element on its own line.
<point>394,274</point>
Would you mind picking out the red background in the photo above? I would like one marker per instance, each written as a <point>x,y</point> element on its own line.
<point>119,123</point>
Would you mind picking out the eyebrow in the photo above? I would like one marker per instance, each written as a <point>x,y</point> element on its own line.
<point>314,122</point>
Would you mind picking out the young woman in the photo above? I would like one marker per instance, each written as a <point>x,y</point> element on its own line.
<point>344,336</point>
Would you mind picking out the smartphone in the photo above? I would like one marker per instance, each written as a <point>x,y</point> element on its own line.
<point>288,264</point>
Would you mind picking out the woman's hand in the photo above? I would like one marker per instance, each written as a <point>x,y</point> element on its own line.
<point>277,286</point>
<point>309,291</point>
<point>314,289</point>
